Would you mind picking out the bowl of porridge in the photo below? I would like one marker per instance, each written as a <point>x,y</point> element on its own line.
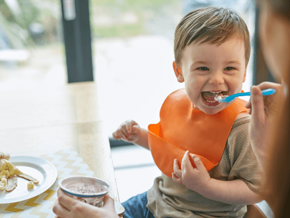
<point>90,190</point>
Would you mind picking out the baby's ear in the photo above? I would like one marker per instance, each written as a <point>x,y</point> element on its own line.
<point>244,77</point>
<point>178,72</point>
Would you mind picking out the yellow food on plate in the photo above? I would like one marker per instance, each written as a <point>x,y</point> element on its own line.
<point>4,180</point>
<point>8,173</point>
<point>4,155</point>
<point>30,185</point>
<point>11,183</point>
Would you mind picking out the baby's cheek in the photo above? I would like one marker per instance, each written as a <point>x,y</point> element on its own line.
<point>234,86</point>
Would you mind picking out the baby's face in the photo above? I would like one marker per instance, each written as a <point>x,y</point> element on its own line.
<point>209,70</point>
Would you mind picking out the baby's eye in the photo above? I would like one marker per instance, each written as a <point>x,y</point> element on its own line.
<point>229,68</point>
<point>203,68</point>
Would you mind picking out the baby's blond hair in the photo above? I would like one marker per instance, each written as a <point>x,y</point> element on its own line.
<point>212,25</point>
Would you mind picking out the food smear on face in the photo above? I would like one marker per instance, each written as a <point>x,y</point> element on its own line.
<point>86,187</point>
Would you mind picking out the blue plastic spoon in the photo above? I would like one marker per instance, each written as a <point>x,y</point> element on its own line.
<point>232,97</point>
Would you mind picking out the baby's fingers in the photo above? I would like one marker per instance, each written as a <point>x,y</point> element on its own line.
<point>136,129</point>
<point>121,133</point>
<point>129,127</point>
<point>176,179</point>
<point>185,163</point>
<point>116,135</point>
<point>132,127</point>
<point>176,168</point>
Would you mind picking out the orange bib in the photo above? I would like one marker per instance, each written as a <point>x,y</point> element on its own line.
<point>183,128</point>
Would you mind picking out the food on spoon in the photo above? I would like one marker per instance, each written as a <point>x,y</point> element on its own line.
<point>30,185</point>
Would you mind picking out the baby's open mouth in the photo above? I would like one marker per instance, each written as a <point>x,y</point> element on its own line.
<point>210,96</point>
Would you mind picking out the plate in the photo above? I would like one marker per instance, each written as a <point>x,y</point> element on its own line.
<point>41,169</point>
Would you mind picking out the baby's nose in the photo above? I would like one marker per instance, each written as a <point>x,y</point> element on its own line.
<point>216,78</point>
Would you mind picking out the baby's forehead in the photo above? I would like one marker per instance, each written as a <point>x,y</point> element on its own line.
<point>233,46</point>
<point>219,40</point>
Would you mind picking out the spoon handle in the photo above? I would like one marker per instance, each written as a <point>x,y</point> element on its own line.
<point>264,92</point>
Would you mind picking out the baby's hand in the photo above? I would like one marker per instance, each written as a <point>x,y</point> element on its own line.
<point>192,178</point>
<point>128,131</point>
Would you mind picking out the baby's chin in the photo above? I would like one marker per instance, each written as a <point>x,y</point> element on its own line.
<point>213,110</point>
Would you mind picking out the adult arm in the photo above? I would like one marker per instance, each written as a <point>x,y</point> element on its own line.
<point>67,207</point>
<point>264,110</point>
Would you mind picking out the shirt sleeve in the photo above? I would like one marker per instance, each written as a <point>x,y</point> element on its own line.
<point>244,164</point>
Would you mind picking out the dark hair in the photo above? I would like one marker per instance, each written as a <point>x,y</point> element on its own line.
<point>281,7</point>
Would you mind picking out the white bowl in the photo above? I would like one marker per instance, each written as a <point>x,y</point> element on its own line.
<point>87,189</point>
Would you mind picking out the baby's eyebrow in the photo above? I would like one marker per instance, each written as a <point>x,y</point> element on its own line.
<point>197,62</point>
<point>233,62</point>
<point>200,62</point>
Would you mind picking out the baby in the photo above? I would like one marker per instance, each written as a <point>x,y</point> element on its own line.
<point>201,145</point>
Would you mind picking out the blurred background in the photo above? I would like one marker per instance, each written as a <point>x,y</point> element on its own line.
<point>131,51</point>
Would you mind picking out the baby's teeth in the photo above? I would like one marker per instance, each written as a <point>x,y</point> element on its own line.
<point>218,98</point>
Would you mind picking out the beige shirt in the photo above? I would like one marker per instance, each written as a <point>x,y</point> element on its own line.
<point>169,199</point>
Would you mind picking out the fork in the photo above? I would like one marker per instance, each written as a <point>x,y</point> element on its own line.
<point>232,97</point>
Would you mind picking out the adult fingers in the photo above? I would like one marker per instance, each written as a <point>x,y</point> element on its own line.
<point>277,97</point>
<point>66,201</point>
<point>59,210</point>
<point>248,105</point>
<point>108,203</point>
<point>257,103</point>
<point>267,85</point>
<point>273,103</point>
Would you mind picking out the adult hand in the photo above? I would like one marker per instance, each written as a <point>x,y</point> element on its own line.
<point>128,131</point>
<point>67,207</point>
<point>192,178</point>
<point>264,110</point>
